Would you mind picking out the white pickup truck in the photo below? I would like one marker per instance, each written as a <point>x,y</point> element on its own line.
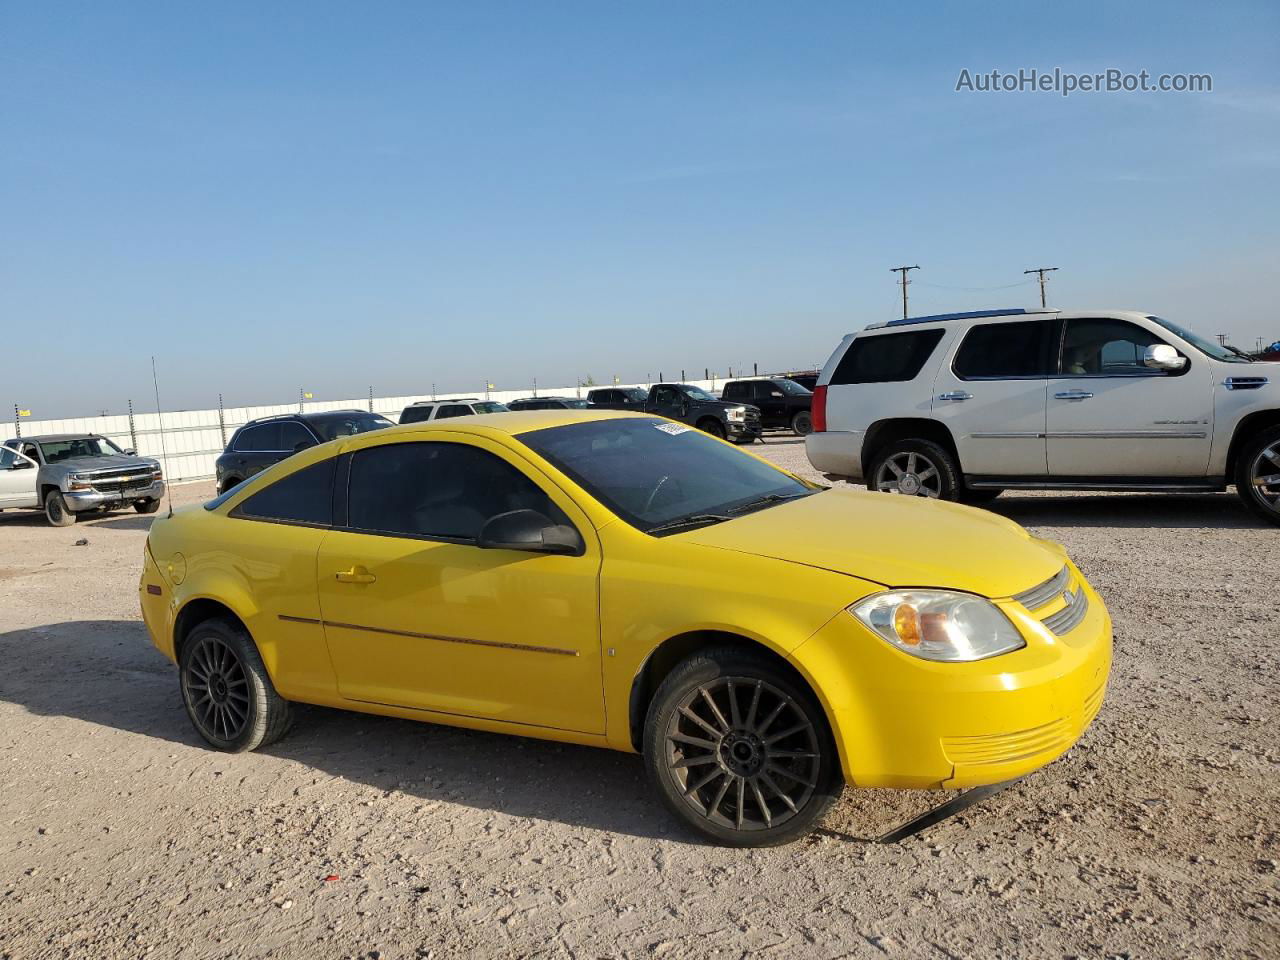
<point>68,474</point>
<point>961,406</point>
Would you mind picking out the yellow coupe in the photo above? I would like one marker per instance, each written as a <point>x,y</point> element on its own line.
<point>624,581</point>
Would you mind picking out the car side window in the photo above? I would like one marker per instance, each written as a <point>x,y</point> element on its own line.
<point>667,396</point>
<point>437,490</point>
<point>1107,348</point>
<point>734,391</point>
<point>886,357</point>
<point>258,439</point>
<point>999,351</point>
<point>416,414</point>
<point>453,410</point>
<point>8,456</point>
<point>294,436</point>
<point>303,497</point>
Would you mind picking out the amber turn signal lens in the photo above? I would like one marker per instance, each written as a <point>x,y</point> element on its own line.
<point>906,624</point>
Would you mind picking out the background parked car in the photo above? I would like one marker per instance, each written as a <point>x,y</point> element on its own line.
<point>806,378</point>
<point>618,398</point>
<point>442,409</point>
<point>548,403</point>
<point>267,440</point>
<point>67,474</point>
<point>783,403</point>
<point>738,422</point>
<point>963,405</point>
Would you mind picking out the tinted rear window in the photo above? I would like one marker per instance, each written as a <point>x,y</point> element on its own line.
<point>998,350</point>
<point>305,496</point>
<point>415,414</point>
<point>886,358</point>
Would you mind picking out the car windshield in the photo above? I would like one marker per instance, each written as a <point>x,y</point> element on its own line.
<point>791,388</point>
<point>652,472</point>
<point>697,393</point>
<point>489,406</point>
<point>1216,350</point>
<point>78,448</point>
<point>348,424</point>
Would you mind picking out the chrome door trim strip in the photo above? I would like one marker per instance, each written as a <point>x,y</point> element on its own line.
<point>528,648</point>
<point>1129,435</point>
<point>1026,435</point>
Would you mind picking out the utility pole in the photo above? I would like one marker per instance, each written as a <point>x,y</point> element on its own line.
<point>904,281</point>
<point>1041,271</point>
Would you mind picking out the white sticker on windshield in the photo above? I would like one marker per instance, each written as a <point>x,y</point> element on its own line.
<point>675,429</point>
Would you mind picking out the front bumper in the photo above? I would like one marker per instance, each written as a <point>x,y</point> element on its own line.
<point>94,498</point>
<point>743,428</point>
<point>904,722</point>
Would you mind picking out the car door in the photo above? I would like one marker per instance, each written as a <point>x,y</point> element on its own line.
<point>669,402</point>
<point>17,479</point>
<point>774,410</point>
<point>417,615</point>
<point>1109,415</point>
<point>991,393</point>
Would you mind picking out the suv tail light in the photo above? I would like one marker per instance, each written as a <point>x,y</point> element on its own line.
<point>819,410</point>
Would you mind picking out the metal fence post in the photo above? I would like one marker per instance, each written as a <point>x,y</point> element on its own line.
<point>371,399</point>
<point>17,423</point>
<point>222,423</point>
<point>133,434</point>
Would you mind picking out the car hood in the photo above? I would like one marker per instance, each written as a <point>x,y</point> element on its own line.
<point>95,464</point>
<point>893,540</point>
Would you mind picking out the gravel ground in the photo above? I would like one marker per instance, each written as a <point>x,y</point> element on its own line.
<point>121,836</point>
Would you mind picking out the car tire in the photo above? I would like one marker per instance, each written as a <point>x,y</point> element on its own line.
<point>227,484</point>
<point>733,793</point>
<point>981,497</point>
<point>713,427</point>
<point>55,510</point>
<point>919,468</point>
<point>1259,460</point>
<point>146,506</point>
<point>802,423</point>
<point>228,694</point>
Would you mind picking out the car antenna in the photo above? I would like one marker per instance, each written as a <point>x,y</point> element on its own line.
<point>164,450</point>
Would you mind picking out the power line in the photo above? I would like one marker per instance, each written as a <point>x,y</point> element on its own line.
<point>904,281</point>
<point>1042,271</point>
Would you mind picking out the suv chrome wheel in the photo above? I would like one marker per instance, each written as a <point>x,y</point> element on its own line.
<point>910,473</point>
<point>1264,476</point>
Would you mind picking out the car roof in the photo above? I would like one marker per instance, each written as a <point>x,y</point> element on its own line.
<point>54,437</point>
<point>513,423</point>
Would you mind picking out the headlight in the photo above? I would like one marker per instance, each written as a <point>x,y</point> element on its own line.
<point>939,624</point>
<point>738,413</point>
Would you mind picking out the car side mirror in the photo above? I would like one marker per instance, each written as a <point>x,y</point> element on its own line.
<point>1161,356</point>
<point>131,452</point>
<point>530,531</point>
<point>22,465</point>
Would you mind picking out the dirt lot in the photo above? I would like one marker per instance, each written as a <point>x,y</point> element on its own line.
<point>121,836</point>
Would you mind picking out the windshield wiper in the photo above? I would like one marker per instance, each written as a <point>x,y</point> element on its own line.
<point>1238,352</point>
<point>693,520</point>
<point>768,501</point>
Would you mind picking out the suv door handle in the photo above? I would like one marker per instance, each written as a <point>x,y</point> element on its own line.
<point>956,395</point>
<point>356,574</point>
<point>1074,395</point>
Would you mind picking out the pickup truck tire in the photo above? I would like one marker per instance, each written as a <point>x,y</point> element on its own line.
<point>712,426</point>
<point>55,510</point>
<point>226,689</point>
<point>918,468</point>
<point>1258,475</point>
<point>706,749</point>
<point>146,506</point>
<point>802,423</point>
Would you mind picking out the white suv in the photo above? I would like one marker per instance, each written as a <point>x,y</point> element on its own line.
<point>964,405</point>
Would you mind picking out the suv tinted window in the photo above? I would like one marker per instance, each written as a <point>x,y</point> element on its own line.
<point>453,410</point>
<point>1092,348</point>
<point>260,438</point>
<point>445,490</point>
<point>735,390</point>
<point>304,496</point>
<point>886,358</point>
<point>416,414</point>
<point>999,350</point>
<point>294,436</point>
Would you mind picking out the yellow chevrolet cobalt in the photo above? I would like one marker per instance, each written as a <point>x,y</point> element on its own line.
<point>624,581</point>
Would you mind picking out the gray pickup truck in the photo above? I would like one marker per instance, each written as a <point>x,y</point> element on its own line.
<point>67,474</point>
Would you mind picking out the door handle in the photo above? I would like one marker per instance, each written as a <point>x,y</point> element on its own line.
<point>1073,395</point>
<point>356,574</point>
<point>956,395</point>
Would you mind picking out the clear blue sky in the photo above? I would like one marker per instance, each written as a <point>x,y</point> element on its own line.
<point>270,196</point>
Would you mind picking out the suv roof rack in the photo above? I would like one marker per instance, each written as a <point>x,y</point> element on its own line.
<point>968,315</point>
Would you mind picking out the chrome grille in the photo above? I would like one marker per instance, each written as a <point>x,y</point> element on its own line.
<point>1051,589</point>
<point>1076,604</point>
